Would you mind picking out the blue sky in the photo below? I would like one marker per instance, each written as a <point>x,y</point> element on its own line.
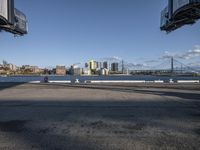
<point>70,31</point>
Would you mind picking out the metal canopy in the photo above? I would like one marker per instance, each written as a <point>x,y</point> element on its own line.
<point>11,19</point>
<point>188,14</point>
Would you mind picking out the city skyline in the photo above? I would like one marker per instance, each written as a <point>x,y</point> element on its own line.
<point>97,29</point>
<point>163,62</point>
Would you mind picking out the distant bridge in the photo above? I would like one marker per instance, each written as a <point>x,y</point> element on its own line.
<point>170,65</point>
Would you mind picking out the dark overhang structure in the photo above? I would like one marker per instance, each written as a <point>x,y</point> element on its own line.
<point>12,19</point>
<point>179,13</point>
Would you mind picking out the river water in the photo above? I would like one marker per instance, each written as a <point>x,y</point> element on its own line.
<point>86,78</point>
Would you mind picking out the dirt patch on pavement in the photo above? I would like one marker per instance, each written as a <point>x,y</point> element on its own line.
<point>98,125</point>
<point>197,131</point>
<point>138,126</point>
<point>13,126</point>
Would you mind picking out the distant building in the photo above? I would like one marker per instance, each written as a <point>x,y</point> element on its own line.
<point>87,71</point>
<point>86,65</point>
<point>36,69</point>
<point>60,70</point>
<point>105,64</point>
<point>126,71</point>
<point>76,70</point>
<point>92,65</point>
<point>30,69</point>
<point>26,67</point>
<point>99,65</point>
<point>11,67</point>
<point>114,67</point>
<point>1,68</point>
<point>104,72</point>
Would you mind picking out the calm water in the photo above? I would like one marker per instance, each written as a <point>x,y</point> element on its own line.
<point>83,78</point>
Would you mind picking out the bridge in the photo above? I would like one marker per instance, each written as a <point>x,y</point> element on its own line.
<point>169,66</point>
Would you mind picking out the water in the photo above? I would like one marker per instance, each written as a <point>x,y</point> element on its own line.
<point>84,78</point>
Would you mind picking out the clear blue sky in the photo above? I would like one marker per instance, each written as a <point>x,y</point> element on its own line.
<point>71,31</point>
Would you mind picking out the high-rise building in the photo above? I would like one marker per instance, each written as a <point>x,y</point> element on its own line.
<point>105,64</point>
<point>92,65</point>
<point>114,67</point>
<point>99,65</point>
<point>86,65</point>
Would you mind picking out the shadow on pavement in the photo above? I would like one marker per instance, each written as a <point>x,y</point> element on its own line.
<point>192,96</point>
<point>145,90</point>
<point>95,125</point>
<point>6,85</point>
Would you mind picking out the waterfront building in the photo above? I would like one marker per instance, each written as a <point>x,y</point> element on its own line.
<point>36,69</point>
<point>26,67</point>
<point>86,71</point>
<point>114,67</point>
<point>11,67</point>
<point>30,69</point>
<point>86,65</point>
<point>105,65</point>
<point>92,65</point>
<point>1,69</point>
<point>126,71</point>
<point>104,72</point>
<point>75,70</point>
<point>60,70</point>
<point>99,65</point>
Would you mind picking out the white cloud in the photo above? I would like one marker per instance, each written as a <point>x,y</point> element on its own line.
<point>186,55</point>
<point>112,59</point>
<point>117,58</point>
<point>139,65</point>
<point>167,55</point>
<point>194,64</point>
<point>151,61</point>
